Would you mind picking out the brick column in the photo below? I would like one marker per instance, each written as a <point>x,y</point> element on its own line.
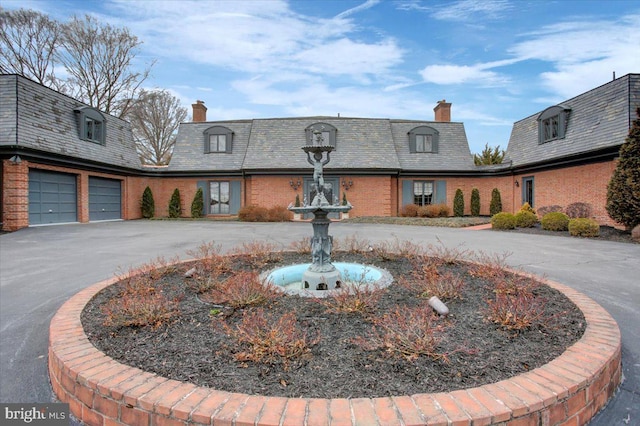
<point>15,195</point>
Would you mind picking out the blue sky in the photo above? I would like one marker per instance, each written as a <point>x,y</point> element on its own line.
<point>496,61</point>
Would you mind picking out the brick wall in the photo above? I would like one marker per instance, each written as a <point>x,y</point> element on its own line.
<point>587,183</point>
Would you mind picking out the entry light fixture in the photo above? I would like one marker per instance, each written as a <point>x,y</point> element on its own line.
<point>347,184</point>
<point>16,159</point>
<point>517,184</point>
<point>295,185</point>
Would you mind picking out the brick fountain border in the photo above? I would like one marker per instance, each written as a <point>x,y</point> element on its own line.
<point>569,390</point>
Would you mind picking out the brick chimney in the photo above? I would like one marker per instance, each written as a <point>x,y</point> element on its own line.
<point>443,111</point>
<point>199,112</point>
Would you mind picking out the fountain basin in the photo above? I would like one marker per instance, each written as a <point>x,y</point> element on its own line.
<point>290,278</point>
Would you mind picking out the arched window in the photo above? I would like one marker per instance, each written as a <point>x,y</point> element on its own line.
<point>423,139</point>
<point>91,125</point>
<point>552,123</point>
<point>326,131</point>
<point>218,139</point>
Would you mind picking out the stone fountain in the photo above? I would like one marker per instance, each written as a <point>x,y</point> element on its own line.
<point>321,274</point>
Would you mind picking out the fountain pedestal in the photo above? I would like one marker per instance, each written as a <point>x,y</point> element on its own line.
<point>321,274</point>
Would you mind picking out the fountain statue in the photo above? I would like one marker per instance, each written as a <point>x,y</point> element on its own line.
<point>321,274</point>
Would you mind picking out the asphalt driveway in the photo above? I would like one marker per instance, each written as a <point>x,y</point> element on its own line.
<point>42,267</point>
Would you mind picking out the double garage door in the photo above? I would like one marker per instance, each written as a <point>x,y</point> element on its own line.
<point>53,198</point>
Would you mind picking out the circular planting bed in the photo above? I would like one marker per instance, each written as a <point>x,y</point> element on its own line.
<point>195,343</point>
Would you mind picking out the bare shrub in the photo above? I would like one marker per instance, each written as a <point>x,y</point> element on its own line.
<point>395,249</point>
<point>579,210</point>
<point>516,312</point>
<point>407,333</point>
<point>243,289</point>
<point>269,340</point>
<point>302,246</point>
<point>253,214</point>
<point>278,214</point>
<point>258,254</point>
<point>351,244</point>
<point>139,304</point>
<point>357,299</point>
<point>448,255</point>
<point>409,210</point>
<point>549,209</point>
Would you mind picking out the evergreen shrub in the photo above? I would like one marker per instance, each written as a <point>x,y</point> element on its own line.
<point>147,205</point>
<point>583,227</point>
<point>175,206</point>
<point>526,219</point>
<point>496,202</point>
<point>555,221</point>
<point>197,205</point>
<point>475,202</point>
<point>503,220</point>
<point>458,203</point>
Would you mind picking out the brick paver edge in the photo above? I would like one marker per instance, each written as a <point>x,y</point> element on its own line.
<point>569,390</point>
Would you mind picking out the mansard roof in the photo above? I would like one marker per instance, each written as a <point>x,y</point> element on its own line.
<point>362,144</point>
<point>597,121</point>
<point>36,118</point>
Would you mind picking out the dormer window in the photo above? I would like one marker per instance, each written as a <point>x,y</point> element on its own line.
<point>218,139</point>
<point>91,125</point>
<point>423,139</point>
<point>552,123</point>
<point>325,131</point>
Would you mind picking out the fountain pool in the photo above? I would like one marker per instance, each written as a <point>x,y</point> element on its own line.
<point>290,278</point>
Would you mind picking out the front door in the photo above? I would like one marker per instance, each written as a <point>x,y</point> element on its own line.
<point>329,182</point>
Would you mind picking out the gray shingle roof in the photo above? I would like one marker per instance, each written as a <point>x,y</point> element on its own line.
<point>362,144</point>
<point>189,155</point>
<point>598,119</point>
<point>46,122</point>
<point>453,149</point>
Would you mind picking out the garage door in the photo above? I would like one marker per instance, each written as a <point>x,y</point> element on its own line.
<point>104,199</point>
<point>52,197</point>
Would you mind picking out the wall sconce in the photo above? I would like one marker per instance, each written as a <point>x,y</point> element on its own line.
<point>16,159</point>
<point>517,184</point>
<point>347,184</point>
<point>295,185</point>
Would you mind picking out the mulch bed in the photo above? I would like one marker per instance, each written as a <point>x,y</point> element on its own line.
<point>191,348</point>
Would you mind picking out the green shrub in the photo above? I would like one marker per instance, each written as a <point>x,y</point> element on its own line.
<point>475,202</point>
<point>458,203</point>
<point>297,203</point>
<point>409,210</point>
<point>623,191</point>
<point>495,206</point>
<point>503,220</point>
<point>555,221</point>
<point>197,205</point>
<point>344,199</point>
<point>148,205</point>
<point>175,206</point>
<point>526,219</point>
<point>583,227</point>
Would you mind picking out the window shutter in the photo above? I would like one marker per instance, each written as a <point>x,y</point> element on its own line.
<point>434,142</point>
<point>206,198</point>
<point>235,195</point>
<point>229,149</point>
<point>207,143</point>
<point>407,192</point>
<point>412,142</point>
<point>441,192</point>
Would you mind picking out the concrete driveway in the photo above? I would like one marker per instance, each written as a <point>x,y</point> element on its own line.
<point>42,267</point>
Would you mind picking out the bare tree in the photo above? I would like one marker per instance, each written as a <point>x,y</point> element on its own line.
<point>98,59</point>
<point>28,43</point>
<point>155,116</point>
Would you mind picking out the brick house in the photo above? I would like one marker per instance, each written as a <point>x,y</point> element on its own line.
<point>63,161</point>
